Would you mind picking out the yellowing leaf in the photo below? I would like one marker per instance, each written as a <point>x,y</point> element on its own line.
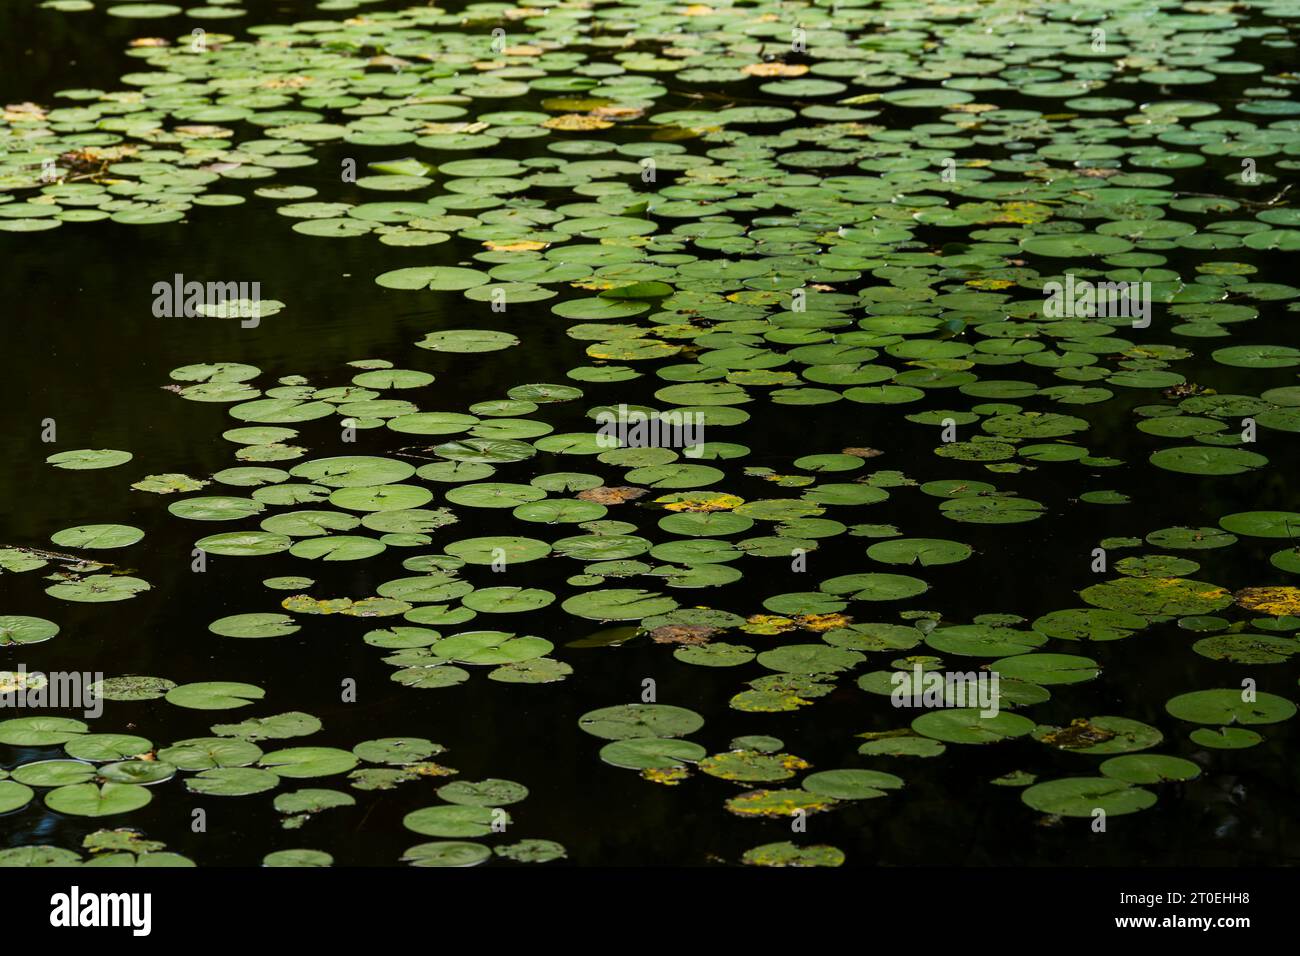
<point>823,622</point>
<point>1278,601</point>
<point>668,776</point>
<point>775,69</point>
<point>519,245</point>
<point>575,122</point>
<point>767,624</point>
<point>1023,213</point>
<point>713,503</point>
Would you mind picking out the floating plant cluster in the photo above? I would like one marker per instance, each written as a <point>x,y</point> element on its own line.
<point>851,210</point>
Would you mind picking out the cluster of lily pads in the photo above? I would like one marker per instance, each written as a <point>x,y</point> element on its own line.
<point>862,212</point>
<point>111,774</point>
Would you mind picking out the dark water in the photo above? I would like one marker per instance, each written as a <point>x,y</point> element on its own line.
<point>81,346</point>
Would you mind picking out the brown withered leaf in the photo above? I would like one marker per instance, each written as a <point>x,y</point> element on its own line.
<point>616,111</point>
<point>822,622</point>
<point>82,161</point>
<point>774,69</point>
<point>612,496</point>
<point>204,130</point>
<point>1080,734</point>
<point>862,452</point>
<point>683,634</point>
<point>23,112</point>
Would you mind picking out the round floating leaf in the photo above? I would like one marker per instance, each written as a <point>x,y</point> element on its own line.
<point>967,726</point>
<point>40,731</point>
<point>91,800</point>
<point>507,600</point>
<point>640,720</point>
<point>1082,796</point>
<point>39,855</point>
<point>1225,738</point>
<point>437,278</point>
<point>982,640</point>
<point>1263,524</point>
<point>99,589</point>
<point>214,695</point>
<point>22,629</point>
<point>532,851</point>
<point>788,854</point>
<point>298,762</point>
<point>14,796</point>
<point>1227,707</point>
<point>483,793</point>
<point>715,655</point>
<point>396,750</point>
<point>491,647</point>
<point>778,803</point>
<point>447,853</point>
<point>97,536</point>
<point>208,753</point>
<point>538,670</point>
<point>751,766</point>
<point>298,858</point>
<point>1100,735</point>
<point>232,782</point>
<point>618,604</point>
<point>102,747</point>
<point>1040,668</point>
<point>431,678</point>
<point>1089,624</point>
<point>810,659</point>
<point>454,821</point>
<point>218,508</point>
<point>1209,461</point>
<point>254,625</point>
<point>651,753</point>
<point>851,784</point>
<point>86,458</point>
<point>875,587</point>
<point>1149,769</point>
<point>922,551</point>
<point>54,773</point>
<point>467,341</point>
<point>1156,596</point>
<point>279,726</point>
<point>312,801</point>
<point>143,772</point>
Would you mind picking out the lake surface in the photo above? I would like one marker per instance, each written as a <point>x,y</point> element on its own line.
<point>84,349</point>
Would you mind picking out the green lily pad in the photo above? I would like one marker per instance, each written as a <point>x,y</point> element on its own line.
<point>1227,707</point>
<point>1083,796</point>
<point>86,458</point>
<point>640,720</point>
<point>92,800</point>
<point>97,536</point>
<point>967,726</point>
